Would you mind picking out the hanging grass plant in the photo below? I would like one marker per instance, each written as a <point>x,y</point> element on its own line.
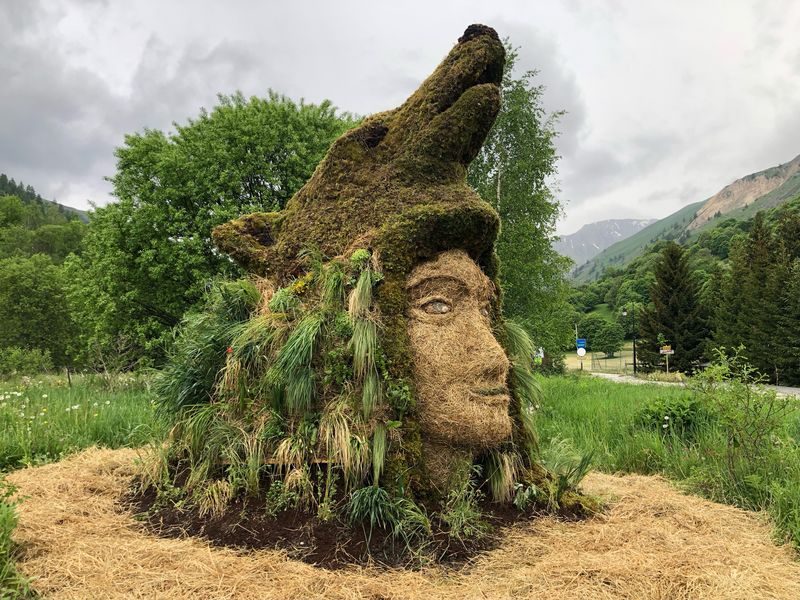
<point>284,402</point>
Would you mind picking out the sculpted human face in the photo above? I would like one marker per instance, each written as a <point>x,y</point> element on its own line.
<point>460,368</point>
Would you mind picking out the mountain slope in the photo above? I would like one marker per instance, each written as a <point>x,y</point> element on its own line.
<point>742,192</point>
<point>788,190</point>
<point>9,187</point>
<point>593,238</point>
<point>622,252</point>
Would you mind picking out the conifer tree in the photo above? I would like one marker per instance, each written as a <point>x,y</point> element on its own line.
<point>789,354</point>
<point>674,315</point>
<point>753,300</point>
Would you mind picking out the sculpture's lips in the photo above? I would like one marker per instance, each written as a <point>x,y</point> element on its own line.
<point>492,395</point>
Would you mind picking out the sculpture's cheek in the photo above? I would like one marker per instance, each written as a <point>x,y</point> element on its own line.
<point>460,374</point>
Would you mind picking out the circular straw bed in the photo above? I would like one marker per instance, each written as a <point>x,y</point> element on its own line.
<point>652,542</point>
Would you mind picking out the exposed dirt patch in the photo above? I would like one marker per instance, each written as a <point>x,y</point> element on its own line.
<point>653,542</point>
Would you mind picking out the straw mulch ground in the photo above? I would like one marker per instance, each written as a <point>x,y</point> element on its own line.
<point>653,542</point>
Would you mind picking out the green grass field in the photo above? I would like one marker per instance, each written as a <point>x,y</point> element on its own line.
<point>42,420</point>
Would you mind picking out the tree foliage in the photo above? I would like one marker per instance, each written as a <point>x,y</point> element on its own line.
<point>514,172</point>
<point>36,226</point>
<point>601,334</point>
<point>148,257</point>
<point>757,298</point>
<point>609,339</point>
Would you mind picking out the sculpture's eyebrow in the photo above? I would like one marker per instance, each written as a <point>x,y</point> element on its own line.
<point>431,283</point>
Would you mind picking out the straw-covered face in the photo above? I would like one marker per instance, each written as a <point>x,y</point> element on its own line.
<point>459,367</point>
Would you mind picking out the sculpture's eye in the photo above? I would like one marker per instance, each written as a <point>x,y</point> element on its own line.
<point>485,312</point>
<point>436,307</point>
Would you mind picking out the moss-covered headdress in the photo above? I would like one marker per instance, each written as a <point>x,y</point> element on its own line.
<point>395,184</point>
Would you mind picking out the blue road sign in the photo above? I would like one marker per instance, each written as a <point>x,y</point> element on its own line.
<point>580,343</point>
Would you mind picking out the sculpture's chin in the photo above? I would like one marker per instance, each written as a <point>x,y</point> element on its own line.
<point>467,421</point>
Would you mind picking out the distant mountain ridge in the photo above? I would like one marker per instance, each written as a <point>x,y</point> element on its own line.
<point>593,238</point>
<point>739,200</point>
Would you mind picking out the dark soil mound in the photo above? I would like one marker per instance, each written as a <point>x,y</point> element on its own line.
<point>331,544</point>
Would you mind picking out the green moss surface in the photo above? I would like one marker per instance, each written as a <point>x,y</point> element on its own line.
<point>399,166</point>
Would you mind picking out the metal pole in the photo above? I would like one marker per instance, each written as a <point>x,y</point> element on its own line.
<point>633,312</point>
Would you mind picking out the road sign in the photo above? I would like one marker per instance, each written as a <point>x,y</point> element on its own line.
<point>581,352</point>
<point>580,342</point>
<point>666,350</point>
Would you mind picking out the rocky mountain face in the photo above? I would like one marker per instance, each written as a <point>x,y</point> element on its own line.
<point>593,238</point>
<point>744,191</point>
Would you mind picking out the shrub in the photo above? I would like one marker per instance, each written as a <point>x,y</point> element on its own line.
<point>22,361</point>
<point>200,348</point>
<point>683,415</point>
<point>399,517</point>
<point>753,418</point>
<point>568,466</point>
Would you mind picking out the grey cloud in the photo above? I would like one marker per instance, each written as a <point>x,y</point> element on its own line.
<point>60,124</point>
<point>162,93</point>
<point>17,15</point>
<point>48,109</point>
<point>586,171</point>
<point>594,171</point>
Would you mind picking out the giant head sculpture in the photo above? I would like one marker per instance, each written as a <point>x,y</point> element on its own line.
<point>395,186</point>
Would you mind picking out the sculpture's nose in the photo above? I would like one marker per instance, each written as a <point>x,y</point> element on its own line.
<point>487,352</point>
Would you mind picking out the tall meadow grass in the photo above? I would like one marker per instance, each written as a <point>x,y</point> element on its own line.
<point>605,418</point>
<point>42,420</point>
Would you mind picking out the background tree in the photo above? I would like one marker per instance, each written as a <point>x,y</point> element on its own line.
<point>757,307</point>
<point>674,313</point>
<point>148,257</point>
<point>33,311</point>
<point>608,338</point>
<point>513,172</point>
<point>588,326</point>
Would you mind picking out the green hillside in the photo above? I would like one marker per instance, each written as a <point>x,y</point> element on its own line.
<point>621,253</point>
<point>9,187</point>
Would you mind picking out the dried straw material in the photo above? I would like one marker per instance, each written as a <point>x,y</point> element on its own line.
<point>653,542</point>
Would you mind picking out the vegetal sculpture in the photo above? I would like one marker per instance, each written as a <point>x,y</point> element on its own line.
<point>370,357</point>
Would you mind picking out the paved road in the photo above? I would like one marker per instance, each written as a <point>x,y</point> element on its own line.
<point>781,389</point>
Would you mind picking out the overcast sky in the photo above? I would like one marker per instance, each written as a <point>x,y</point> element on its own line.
<point>666,101</point>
